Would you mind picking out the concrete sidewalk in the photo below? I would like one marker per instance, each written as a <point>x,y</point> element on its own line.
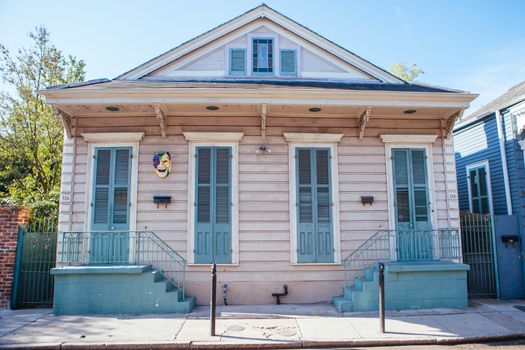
<point>264,326</point>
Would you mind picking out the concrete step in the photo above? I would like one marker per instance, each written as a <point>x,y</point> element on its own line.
<point>342,304</point>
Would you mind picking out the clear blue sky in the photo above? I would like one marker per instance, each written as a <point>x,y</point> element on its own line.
<point>473,45</point>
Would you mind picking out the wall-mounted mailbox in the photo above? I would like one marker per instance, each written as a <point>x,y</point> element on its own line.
<point>367,200</point>
<point>510,239</point>
<point>161,199</point>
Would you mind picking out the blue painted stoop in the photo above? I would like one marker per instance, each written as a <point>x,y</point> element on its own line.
<point>408,286</point>
<point>116,289</point>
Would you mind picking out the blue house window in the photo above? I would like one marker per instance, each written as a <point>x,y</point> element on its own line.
<point>288,63</point>
<point>479,192</point>
<point>237,62</point>
<point>262,57</point>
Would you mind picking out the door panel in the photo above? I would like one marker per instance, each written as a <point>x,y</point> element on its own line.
<point>111,200</point>
<point>213,201</point>
<point>413,226</point>
<point>314,206</point>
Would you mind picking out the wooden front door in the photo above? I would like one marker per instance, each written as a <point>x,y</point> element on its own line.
<point>110,206</point>
<point>413,225</point>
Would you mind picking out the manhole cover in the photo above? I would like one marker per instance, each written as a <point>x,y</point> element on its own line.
<point>235,328</point>
<point>287,332</point>
<point>520,307</point>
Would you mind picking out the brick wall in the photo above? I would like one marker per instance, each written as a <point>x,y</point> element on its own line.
<point>10,218</point>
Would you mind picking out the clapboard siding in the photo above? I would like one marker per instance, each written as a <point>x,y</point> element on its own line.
<point>475,143</point>
<point>264,217</point>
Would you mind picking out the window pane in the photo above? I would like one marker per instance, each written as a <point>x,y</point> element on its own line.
<point>474,183</point>
<point>122,167</point>
<point>482,176</point>
<point>222,204</point>
<point>120,206</point>
<point>288,62</point>
<point>101,206</point>
<point>204,155</point>
<point>203,204</point>
<point>323,204</point>
<point>420,199</point>
<point>103,161</point>
<point>223,165</point>
<point>322,167</point>
<point>400,167</point>
<point>484,205</point>
<point>262,59</point>
<point>305,204</point>
<point>304,167</point>
<point>238,61</point>
<point>418,167</point>
<point>403,213</point>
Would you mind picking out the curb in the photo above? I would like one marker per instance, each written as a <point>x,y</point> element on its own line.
<point>305,344</point>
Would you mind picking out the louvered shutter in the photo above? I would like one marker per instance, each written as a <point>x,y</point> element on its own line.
<point>222,208</point>
<point>101,191</point>
<point>237,62</point>
<point>288,63</point>
<point>325,246</point>
<point>203,213</point>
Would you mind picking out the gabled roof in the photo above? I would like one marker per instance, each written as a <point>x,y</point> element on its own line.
<point>513,95</point>
<point>260,12</point>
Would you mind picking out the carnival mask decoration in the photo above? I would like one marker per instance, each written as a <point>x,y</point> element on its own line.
<point>162,164</point>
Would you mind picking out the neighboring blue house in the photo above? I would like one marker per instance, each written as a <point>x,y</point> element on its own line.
<point>489,146</point>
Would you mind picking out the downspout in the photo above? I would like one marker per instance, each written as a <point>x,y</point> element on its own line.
<point>504,162</point>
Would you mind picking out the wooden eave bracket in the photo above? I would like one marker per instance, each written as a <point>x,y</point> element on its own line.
<point>68,121</point>
<point>448,124</point>
<point>362,120</point>
<point>162,117</point>
<point>263,119</point>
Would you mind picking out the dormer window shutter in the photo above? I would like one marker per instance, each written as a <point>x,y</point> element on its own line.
<point>288,63</point>
<point>237,62</point>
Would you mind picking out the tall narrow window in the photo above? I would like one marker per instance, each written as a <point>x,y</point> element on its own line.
<point>288,63</point>
<point>237,62</point>
<point>479,194</point>
<point>262,56</point>
<point>213,224</point>
<point>314,206</point>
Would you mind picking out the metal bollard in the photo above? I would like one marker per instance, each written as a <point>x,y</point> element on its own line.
<point>213,298</point>
<point>382,297</point>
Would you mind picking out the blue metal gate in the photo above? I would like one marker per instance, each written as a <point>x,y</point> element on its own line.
<point>35,257</point>
<point>477,241</point>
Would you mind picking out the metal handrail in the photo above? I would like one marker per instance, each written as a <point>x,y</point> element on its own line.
<point>124,248</point>
<point>401,245</point>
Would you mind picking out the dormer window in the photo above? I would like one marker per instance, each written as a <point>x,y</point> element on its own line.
<point>237,62</point>
<point>262,57</point>
<point>288,63</point>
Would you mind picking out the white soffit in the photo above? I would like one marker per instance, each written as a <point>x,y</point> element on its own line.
<point>312,137</point>
<point>408,138</point>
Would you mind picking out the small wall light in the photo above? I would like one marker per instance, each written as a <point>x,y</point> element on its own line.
<point>264,150</point>
<point>367,200</point>
<point>315,109</point>
<point>212,108</point>
<point>410,111</point>
<point>112,108</point>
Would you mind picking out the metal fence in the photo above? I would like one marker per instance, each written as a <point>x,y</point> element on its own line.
<point>35,257</point>
<point>392,245</point>
<point>478,252</point>
<point>123,248</point>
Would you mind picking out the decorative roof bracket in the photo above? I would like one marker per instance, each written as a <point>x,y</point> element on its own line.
<point>68,121</point>
<point>362,120</point>
<point>162,117</point>
<point>447,125</point>
<point>263,120</point>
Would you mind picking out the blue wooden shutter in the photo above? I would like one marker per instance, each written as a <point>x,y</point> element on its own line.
<point>222,209</point>
<point>122,173</point>
<point>203,214</point>
<point>101,190</point>
<point>325,246</point>
<point>314,206</point>
<point>288,63</point>
<point>237,62</point>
